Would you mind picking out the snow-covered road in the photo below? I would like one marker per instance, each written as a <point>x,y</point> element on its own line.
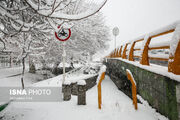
<point>116,106</point>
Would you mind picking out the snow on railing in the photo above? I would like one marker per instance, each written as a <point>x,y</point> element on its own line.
<point>128,50</point>
<point>134,91</point>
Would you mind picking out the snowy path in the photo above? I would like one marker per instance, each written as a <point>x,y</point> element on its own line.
<point>116,106</point>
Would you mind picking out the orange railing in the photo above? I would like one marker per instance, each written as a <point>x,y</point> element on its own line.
<point>173,59</point>
<point>99,90</point>
<point>133,88</point>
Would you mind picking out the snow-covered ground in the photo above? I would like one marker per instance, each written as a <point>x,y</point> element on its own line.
<point>5,72</point>
<point>115,106</point>
<point>11,77</point>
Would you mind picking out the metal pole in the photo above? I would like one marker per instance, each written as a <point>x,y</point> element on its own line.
<point>64,57</point>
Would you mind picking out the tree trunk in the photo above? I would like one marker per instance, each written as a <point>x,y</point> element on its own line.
<point>22,77</point>
<point>32,67</point>
<point>72,65</point>
<point>55,67</point>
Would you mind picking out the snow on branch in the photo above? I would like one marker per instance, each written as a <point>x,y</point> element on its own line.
<point>51,13</point>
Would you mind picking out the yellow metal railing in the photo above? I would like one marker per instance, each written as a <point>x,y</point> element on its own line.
<point>173,60</point>
<point>99,89</point>
<point>134,93</point>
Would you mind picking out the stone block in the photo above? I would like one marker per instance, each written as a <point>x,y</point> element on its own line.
<point>66,89</point>
<point>81,94</point>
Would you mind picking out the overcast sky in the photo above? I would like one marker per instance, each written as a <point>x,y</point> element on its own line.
<point>137,17</point>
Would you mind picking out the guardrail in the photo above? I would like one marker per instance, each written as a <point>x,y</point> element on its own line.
<point>127,50</point>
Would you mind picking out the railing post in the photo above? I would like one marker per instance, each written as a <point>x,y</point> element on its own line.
<point>119,54</point>
<point>99,90</point>
<point>174,55</point>
<point>124,52</point>
<point>144,58</point>
<point>114,53</point>
<point>111,54</point>
<point>131,52</point>
<point>134,92</point>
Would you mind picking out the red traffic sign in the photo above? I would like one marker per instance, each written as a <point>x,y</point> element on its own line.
<point>63,34</point>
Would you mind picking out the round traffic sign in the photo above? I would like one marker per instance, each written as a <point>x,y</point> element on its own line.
<point>63,34</point>
<point>116,31</point>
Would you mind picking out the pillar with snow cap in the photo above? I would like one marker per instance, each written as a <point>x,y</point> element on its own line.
<point>66,89</point>
<point>81,92</point>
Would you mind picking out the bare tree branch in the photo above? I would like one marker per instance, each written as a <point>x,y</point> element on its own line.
<point>60,15</point>
<point>3,44</point>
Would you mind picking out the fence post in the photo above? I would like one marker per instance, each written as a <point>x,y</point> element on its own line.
<point>144,58</point>
<point>99,89</point>
<point>134,92</point>
<point>114,55</point>
<point>131,52</point>
<point>119,54</point>
<point>174,59</point>
<point>110,55</point>
<point>124,52</point>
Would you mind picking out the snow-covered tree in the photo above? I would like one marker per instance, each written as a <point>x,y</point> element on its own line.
<point>28,23</point>
<point>88,36</point>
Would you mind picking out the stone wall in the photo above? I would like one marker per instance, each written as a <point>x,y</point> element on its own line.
<point>160,91</point>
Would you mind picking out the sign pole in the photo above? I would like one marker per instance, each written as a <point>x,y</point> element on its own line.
<point>63,35</point>
<point>64,59</point>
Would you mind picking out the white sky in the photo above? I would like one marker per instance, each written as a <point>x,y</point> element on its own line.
<point>137,17</point>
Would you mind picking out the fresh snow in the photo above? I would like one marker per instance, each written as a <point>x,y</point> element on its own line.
<point>175,40</point>
<point>144,43</point>
<point>102,70</point>
<point>131,75</point>
<point>5,72</point>
<point>45,11</point>
<point>81,82</point>
<point>11,77</point>
<point>67,82</point>
<point>115,106</point>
